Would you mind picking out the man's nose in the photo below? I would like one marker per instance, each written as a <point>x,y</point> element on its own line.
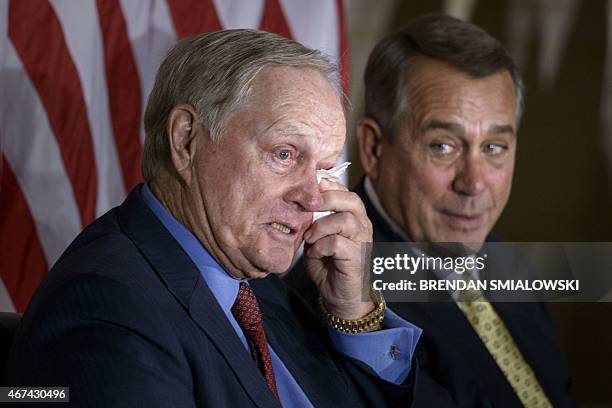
<point>306,194</point>
<point>469,179</point>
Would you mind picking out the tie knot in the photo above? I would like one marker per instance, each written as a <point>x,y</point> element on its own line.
<point>246,309</point>
<point>471,293</point>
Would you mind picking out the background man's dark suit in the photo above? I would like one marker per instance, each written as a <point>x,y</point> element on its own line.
<point>455,360</point>
<point>127,317</point>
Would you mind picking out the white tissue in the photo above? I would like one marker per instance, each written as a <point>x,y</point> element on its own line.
<point>332,174</point>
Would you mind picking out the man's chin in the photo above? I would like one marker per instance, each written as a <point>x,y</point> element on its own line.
<point>255,274</point>
<point>471,242</point>
<point>277,267</point>
<point>275,261</point>
<point>271,268</point>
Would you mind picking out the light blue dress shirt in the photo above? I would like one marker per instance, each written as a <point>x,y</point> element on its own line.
<point>388,352</point>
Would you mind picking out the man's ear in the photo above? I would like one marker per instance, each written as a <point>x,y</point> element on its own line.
<point>370,142</point>
<point>181,133</point>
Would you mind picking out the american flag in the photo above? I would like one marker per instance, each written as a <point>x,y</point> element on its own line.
<point>75,76</point>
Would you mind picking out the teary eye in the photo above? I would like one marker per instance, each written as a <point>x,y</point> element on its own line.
<point>283,154</point>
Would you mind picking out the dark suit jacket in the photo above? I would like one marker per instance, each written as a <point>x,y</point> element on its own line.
<point>125,319</point>
<point>455,367</point>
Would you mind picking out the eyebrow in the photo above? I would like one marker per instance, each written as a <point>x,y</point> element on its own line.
<point>500,129</point>
<point>436,124</point>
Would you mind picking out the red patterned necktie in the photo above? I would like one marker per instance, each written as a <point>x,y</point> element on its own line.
<point>247,314</point>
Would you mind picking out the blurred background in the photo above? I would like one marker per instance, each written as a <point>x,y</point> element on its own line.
<point>75,77</point>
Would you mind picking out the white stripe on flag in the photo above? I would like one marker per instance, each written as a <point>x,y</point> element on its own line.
<point>31,150</point>
<point>81,28</point>
<point>151,34</point>
<point>239,13</point>
<point>3,32</point>
<point>315,24</point>
<point>6,305</point>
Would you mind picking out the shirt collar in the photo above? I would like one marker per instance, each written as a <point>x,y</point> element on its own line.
<point>371,193</point>
<point>223,286</point>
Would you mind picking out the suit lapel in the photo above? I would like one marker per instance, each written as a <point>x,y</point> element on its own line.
<point>183,280</point>
<point>208,315</point>
<point>448,316</point>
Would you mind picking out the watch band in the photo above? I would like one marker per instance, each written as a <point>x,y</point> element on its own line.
<point>370,322</point>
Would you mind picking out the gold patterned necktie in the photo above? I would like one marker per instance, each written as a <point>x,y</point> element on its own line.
<point>497,339</point>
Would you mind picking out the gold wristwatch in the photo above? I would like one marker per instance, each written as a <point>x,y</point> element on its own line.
<point>370,322</point>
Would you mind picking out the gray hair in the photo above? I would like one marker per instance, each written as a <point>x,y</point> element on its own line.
<point>460,44</point>
<point>213,73</point>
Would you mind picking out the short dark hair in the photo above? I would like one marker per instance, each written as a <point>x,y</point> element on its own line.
<point>458,43</point>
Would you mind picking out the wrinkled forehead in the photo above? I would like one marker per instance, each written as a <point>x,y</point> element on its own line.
<point>298,100</point>
<point>276,83</point>
<point>433,85</point>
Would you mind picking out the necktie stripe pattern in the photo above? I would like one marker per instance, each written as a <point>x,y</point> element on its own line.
<point>497,339</point>
<point>78,77</point>
<point>247,314</point>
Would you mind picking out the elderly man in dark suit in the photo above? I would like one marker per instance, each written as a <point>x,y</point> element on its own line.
<point>438,143</point>
<point>172,299</point>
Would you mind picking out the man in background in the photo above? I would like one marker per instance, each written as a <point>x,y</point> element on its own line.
<point>437,144</point>
<point>171,299</point>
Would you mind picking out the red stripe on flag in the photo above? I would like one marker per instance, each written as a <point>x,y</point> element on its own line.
<point>38,39</point>
<point>192,17</point>
<point>22,261</point>
<point>273,19</point>
<point>343,52</point>
<point>123,89</point>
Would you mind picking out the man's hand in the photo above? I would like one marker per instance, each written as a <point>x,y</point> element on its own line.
<point>334,252</point>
